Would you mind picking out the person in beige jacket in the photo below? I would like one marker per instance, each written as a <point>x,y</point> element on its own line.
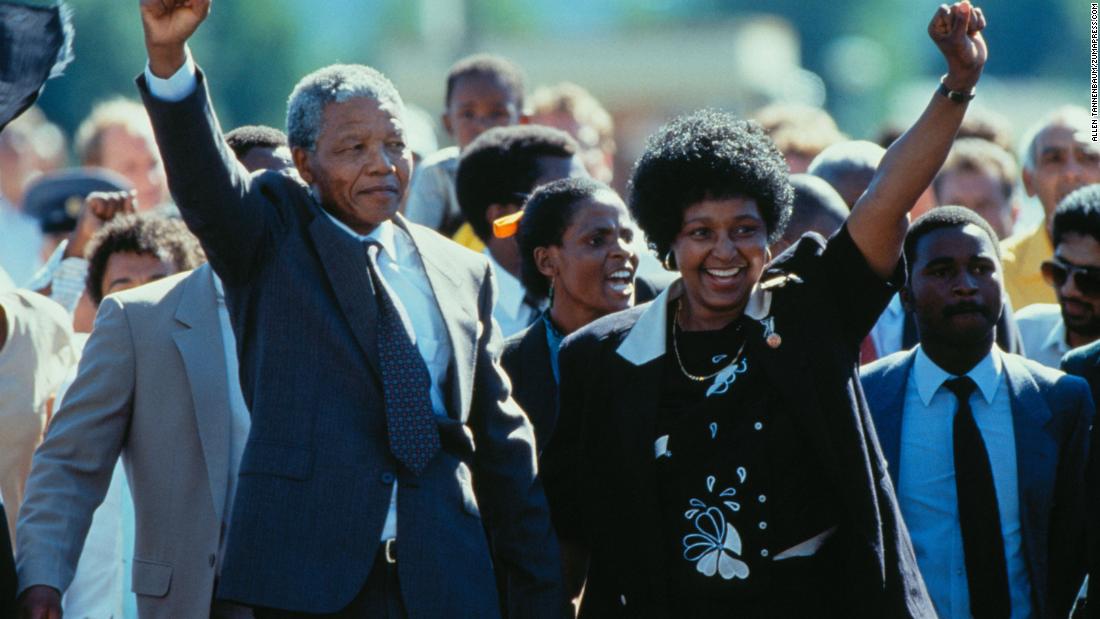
<point>157,385</point>
<point>35,354</point>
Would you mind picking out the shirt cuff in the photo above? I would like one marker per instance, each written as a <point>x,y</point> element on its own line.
<point>68,283</point>
<point>175,88</point>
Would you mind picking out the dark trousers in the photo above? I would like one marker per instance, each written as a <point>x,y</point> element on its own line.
<point>380,598</point>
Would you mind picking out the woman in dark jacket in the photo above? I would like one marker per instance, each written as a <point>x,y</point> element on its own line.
<point>714,455</point>
<point>575,239</point>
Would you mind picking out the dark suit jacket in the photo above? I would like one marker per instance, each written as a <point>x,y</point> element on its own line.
<point>7,570</point>
<point>599,467</point>
<point>526,360</point>
<point>317,473</point>
<point>1050,417</point>
<point>1085,362</point>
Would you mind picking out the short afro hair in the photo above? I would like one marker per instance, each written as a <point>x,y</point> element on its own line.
<point>167,239</point>
<point>546,216</point>
<point>944,217</point>
<point>501,167</point>
<point>245,138</point>
<point>487,65</point>
<point>1078,212</point>
<point>707,155</point>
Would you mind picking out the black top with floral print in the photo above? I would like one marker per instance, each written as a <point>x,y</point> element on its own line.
<point>737,484</point>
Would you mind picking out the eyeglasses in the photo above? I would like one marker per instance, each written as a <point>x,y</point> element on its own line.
<point>1086,279</point>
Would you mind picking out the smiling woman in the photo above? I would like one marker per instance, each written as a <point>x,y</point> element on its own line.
<point>713,454</point>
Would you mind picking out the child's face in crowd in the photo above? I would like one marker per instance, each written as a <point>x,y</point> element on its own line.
<point>479,103</point>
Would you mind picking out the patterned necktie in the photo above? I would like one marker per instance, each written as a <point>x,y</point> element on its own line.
<point>979,516</point>
<point>406,383</point>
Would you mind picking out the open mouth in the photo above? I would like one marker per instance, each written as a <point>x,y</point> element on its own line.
<point>724,277</point>
<point>621,282</point>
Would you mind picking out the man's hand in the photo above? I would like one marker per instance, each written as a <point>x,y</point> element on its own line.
<point>40,602</point>
<point>99,208</point>
<point>168,24</point>
<point>957,31</point>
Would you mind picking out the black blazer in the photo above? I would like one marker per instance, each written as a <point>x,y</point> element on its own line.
<point>7,570</point>
<point>599,466</point>
<point>526,360</point>
<point>1085,362</point>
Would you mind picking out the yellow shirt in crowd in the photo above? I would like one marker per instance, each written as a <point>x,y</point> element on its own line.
<point>1022,256</point>
<point>467,238</point>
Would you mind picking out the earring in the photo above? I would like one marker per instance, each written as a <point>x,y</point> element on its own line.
<point>670,261</point>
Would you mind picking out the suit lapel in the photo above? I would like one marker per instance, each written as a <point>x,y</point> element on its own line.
<point>886,399</point>
<point>200,346</point>
<point>345,262</point>
<point>454,301</point>
<point>535,356</point>
<point>1036,456</point>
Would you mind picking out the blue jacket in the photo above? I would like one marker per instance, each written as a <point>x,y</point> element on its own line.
<point>1051,414</point>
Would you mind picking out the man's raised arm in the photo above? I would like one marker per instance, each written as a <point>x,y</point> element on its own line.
<point>878,221</point>
<point>207,182</point>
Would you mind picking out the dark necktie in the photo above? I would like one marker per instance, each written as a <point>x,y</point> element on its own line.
<point>979,516</point>
<point>406,383</point>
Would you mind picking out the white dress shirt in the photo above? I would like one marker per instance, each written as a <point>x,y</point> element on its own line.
<point>1043,333</point>
<point>926,481</point>
<point>399,264</point>
<point>889,332</point>
<point>511,310</point>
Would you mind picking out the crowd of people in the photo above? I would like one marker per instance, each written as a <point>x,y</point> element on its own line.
<point>329,373</point>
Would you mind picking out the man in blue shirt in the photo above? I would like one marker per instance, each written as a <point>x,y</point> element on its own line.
<point>986,449</point>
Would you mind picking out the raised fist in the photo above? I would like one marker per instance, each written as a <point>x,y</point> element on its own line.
<point>957,31</point>
<point>99,208</point>
<point>168,24</point>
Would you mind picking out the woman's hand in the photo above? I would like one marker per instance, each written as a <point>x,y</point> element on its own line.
<point>957,31</point>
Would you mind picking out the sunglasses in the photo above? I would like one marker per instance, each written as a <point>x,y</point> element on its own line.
<point>1086,279</point>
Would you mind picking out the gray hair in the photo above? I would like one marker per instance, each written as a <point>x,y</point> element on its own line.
<point>1073,116</point>
<point>332,84</point>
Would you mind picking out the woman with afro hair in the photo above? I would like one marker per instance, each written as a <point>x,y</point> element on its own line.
<point>714,456</point>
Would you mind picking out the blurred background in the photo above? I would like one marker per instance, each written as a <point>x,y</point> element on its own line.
<point>869,64</point>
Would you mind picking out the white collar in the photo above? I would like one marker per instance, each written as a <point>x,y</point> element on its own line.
<point>646,340</point>
<point>894,308</point>
<point>930,377</point>
<point>510,291</point>
<point>383,234</point>
<point>1056,339</point>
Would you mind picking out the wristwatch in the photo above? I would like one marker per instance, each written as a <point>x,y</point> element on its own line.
<point>958,96</point>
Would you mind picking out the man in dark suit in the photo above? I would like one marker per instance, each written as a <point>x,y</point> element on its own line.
<point>1085,362</point>
<point>987,449</point>
<point>367,355</point>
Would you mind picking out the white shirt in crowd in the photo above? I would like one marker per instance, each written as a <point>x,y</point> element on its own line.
<point>511,311</point>
<point>1043,333</point>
